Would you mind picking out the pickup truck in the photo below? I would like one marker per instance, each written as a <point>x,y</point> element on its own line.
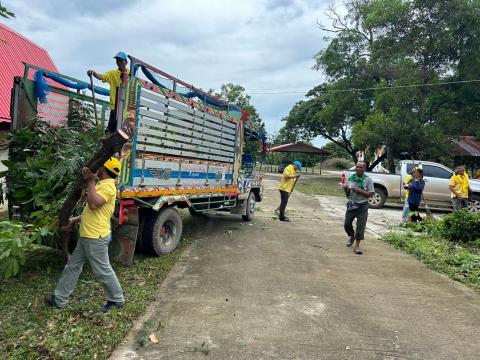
<point>436,192</point>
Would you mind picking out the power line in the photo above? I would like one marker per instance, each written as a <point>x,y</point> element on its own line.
<point>368,89</point>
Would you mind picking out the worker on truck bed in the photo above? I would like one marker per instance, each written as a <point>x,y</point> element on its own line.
<point>114,78</point>
<point>287,182</point>
<point>95,235</point>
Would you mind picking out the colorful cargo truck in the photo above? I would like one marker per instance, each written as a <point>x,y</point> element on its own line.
<point>185,150</point>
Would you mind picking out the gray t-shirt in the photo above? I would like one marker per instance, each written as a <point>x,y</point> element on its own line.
<point>358,198</point>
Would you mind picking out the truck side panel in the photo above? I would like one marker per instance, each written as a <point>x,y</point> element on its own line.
<point>179,143</point>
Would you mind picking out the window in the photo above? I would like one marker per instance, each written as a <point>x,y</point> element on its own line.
<point>409,168</point>
<point>435,171</point>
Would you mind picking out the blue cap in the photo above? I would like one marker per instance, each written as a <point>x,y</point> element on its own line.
<point>121,55</point>
<point>298,164</point>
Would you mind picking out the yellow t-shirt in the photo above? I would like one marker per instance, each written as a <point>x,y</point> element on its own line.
<point>96,223</point>
<point>113,78</point>
<point>287,184</point>
<point>407,180</point>
<point>460,185</point>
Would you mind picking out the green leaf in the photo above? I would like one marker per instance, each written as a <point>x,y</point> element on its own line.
<point>9,267</point>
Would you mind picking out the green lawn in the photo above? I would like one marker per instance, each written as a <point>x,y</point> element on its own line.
<point>30,330</point>
<point>459,261</point>
<point>324,185</point>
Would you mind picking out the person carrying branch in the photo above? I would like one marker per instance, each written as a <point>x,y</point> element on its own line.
<point>114,78</point>
<point>289,177</point>
<point>95,235</point>
<point>358,189</point>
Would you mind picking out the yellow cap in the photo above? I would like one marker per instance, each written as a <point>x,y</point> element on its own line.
<point>113,165</point>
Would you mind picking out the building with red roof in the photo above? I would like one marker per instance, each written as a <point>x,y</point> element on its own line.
<point>14,50</point>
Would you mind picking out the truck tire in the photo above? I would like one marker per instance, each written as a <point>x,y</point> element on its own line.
<point>162,232</point>
<point>378,199</point>
<point>474,204</point>
<point>250,205</point>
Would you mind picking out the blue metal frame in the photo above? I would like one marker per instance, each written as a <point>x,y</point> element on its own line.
<point>135,133</point>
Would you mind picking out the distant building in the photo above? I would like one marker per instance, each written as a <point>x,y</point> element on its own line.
<point>14,50</point>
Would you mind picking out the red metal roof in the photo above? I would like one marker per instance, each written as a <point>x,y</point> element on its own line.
<point>467,146</point>
<point>299,147</point>
<point>15,48</point>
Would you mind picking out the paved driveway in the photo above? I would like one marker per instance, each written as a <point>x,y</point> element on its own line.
<point>272,290</point>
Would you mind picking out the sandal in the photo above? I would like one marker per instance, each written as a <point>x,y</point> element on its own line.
<point>350,241</point>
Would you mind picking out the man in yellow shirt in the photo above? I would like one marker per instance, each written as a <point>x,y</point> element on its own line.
<point>459,188</point>
<point>289,177</point>
<point>114,78</point>
<point>95,235</point>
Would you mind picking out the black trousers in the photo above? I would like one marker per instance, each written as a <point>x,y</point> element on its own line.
<point>361,213</point>
<point>112,122</point>
<point>283,203</point>
<point>414,215</point>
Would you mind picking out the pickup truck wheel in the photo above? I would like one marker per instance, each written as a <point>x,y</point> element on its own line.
<point>250,207</point>
<point>162,232</point>
<point>474,205</point>
<point>378,199</point>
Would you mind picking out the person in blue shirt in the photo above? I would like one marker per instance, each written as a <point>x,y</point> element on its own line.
<point>415,187</point>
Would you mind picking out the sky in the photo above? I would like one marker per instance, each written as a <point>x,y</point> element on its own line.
<point>263,45</point>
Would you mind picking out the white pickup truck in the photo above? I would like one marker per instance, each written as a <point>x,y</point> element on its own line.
<point>436,192</point>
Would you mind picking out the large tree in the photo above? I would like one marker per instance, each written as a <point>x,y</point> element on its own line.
<point>381,61</point>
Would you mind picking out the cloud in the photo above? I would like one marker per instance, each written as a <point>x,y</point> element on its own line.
<point>263,45</point>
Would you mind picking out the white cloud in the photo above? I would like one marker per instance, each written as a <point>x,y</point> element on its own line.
<point>263,45</point>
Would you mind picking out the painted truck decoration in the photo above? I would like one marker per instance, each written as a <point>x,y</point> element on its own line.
<point>185,151</point>
<point>183,154</point>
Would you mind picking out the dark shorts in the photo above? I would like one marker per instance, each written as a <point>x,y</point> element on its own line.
<point>112,122</point>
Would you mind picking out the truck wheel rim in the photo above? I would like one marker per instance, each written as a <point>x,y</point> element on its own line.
<point>375,199</point>
<point>251,205</point>
<point>168,232</point>
<point>474,206</point>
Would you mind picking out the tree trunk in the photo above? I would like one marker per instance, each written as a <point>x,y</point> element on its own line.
<point>376,162</point>
<point>390,159</point>
<point>111,145</point>
<point>354,156</point>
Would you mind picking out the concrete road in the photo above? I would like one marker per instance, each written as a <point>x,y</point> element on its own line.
<point>273,290</point>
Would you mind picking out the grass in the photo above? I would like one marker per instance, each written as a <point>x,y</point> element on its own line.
<point>324,185</point>
<point>30,330</point>
<point>459,261</point>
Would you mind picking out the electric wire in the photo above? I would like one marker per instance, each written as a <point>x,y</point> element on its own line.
<point>369,88</point>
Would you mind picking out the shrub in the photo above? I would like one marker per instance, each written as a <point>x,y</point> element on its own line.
<point>15,239</point>
<point>337,163</point>
<point>43,167</point>
<point>460,226</point>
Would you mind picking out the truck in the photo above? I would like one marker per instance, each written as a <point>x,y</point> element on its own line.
<point>185,150</point>
<point>436,192</point>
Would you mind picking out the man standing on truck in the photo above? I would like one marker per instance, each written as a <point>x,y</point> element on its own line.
<point>287,182</point>
<point>114,78</point>
<point>459,188</point>
<point>358,189</point>
<point>95,235</point>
